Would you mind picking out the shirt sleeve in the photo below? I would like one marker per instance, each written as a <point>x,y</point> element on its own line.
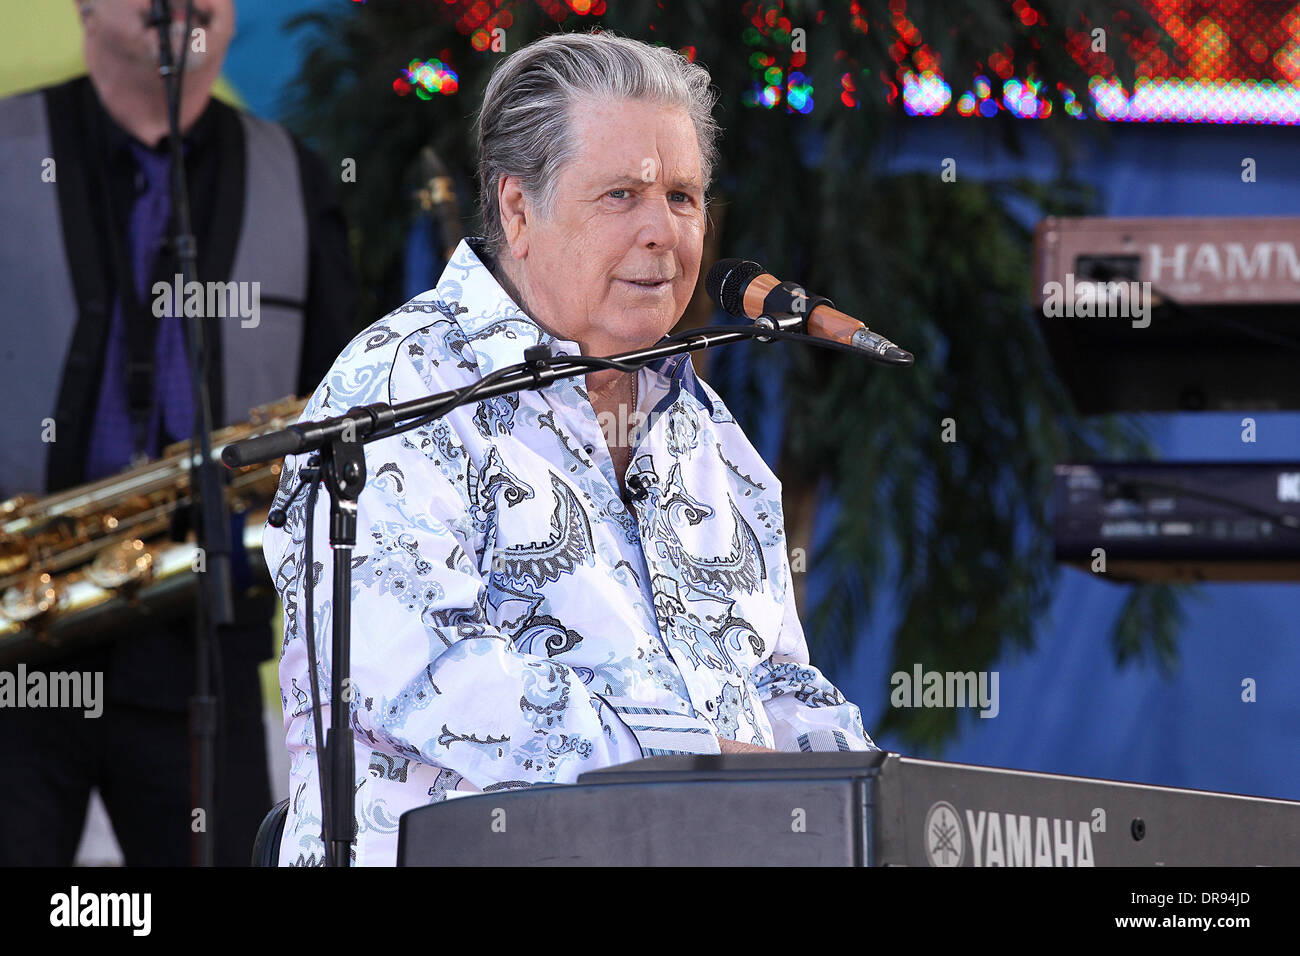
<point>807,711</point>
<point>432,679</point>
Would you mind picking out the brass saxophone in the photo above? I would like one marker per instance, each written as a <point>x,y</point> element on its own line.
<point>79,563</point>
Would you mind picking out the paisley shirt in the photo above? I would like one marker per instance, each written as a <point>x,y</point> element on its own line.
<point>513,622</point>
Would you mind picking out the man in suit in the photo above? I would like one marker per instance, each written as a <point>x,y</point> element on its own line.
<point>86,211</point>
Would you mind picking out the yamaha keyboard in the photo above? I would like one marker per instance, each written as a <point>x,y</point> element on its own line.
<point>1222,330</point>
<point>1180,520</point>
<point>846,809</point>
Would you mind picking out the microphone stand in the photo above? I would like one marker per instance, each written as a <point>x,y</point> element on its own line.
<point>214,593</point>
<point>339,447</point>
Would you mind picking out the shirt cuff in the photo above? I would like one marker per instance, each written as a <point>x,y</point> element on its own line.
<point>805,737</point>
<point>660,731</point>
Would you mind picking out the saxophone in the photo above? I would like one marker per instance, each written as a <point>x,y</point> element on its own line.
<point>80,563</point>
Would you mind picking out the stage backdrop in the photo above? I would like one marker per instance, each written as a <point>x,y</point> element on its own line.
<point>1065,707</point>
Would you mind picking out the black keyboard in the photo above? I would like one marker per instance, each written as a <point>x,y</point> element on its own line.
<point>847,809</point>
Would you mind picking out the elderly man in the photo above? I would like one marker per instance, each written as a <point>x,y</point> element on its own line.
<point>537,596</point>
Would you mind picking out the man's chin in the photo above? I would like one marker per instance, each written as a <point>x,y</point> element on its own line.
<point>181,47</point>
<point>641,335</point>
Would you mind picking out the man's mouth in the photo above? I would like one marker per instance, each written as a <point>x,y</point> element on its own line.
<point>651,283</point>
<point>202,16</point>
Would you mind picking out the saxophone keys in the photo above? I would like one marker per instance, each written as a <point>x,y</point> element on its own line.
<point>125,566</point>
<point>33,601</point>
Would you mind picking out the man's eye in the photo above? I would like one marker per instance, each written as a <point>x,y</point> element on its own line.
<point>685,197</point>
<point>616,193</point>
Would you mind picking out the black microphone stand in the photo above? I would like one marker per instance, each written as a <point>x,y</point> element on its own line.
<point>339,446</point>
<point>213,534</point>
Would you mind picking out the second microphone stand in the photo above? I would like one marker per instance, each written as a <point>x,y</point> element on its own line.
<point>213,518</point>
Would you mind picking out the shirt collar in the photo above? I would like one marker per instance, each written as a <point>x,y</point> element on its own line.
<point>117,140</point>
<point>498,330</point>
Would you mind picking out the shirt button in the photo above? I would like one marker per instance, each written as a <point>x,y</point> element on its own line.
<point>708,705</point>
<point>588,448</point>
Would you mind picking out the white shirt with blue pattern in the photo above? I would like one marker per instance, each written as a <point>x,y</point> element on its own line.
<point>512,622</point>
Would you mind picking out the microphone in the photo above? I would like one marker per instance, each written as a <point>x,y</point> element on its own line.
<point>741,288</point>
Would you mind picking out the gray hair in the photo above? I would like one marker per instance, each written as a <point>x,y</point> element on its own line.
<point>524,124</point>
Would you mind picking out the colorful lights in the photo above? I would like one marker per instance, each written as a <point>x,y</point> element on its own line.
<point>977,101</point>
<point>1022,98</point>
<point>847,97</point>
<point>1073,108</point>
<point>799,94</point>
<point>776,63</point>
<point>1217,101</point>
<point>925,95</point>
<point>480,19</point>
<point>1234,61</point>
<point>1027,14</point>
<point>427,77</point>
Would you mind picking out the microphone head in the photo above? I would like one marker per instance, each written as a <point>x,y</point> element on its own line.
<point>727,281</point>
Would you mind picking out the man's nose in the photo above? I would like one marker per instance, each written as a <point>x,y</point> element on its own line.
<point>659,229</point>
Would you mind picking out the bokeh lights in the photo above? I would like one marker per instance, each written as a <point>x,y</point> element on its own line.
<point>427,78</point>
<point>1233,62</point>
<point>776,60</point>
<point>1224,61</point>
<point>925,95</point>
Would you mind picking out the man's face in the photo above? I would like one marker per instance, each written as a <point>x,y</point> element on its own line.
<point>120,31</point>
<point>615,263</point>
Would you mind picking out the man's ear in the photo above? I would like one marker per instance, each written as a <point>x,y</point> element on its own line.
<point>514,214</point>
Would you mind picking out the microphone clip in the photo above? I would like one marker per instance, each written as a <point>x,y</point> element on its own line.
<point>765,321</point>
<point>639,485</point>
<point>789,322</point>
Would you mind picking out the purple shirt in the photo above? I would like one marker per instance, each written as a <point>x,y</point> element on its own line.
<point>112,442</point>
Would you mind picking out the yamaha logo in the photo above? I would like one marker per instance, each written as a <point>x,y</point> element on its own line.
<point>1009,839</point>
<point>944,843</point>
